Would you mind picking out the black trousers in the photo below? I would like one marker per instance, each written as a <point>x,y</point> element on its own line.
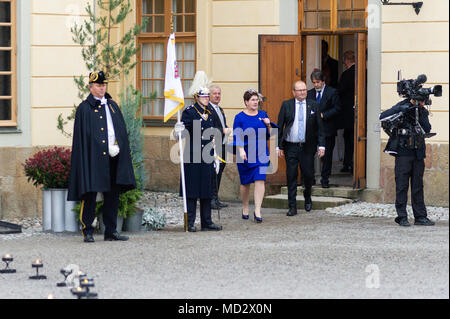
<point>205,211</point>
<point>110,205</point>
<point>408,168</point>
<point>216,182</point>
<point>327,159</point>
<point>349,140</point>
<point>295,156</point>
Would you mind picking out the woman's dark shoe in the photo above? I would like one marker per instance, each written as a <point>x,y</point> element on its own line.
<point>244,216</point>
<point>257,219</point>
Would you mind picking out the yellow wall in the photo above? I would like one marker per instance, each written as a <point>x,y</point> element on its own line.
<point>417,44</point>
<point>227,47</point>
<point>55,59</point>
<point>232,31</point>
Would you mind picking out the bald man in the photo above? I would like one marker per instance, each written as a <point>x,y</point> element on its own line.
<point>300,136</point>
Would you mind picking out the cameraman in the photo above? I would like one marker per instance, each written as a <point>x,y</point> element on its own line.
<point>408,147</point>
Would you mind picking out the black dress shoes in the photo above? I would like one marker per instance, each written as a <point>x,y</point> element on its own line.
<point>308,204</point>
<point>423,221</point>
<point>89,239</point>
<point>215,205</point>
<point>212,227</point>
<point>192,229</point>
<point>291,212</point>
<point>221,204</point>
<point>325,184</point>
<point>115,236</point>
<point>402,221</point>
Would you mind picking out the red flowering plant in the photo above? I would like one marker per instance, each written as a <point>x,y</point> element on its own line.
<point>50,168</point>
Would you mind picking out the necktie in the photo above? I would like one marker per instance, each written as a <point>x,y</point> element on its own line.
<point>319,96</point>
<point>301,123</point>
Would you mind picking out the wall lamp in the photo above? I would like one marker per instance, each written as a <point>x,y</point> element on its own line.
<point>416,5</point>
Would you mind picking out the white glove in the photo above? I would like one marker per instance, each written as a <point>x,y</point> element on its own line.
<point>114,150</point>
<point>179,128</point>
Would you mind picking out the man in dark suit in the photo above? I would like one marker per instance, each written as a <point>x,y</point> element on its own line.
<point>346,90</point>
<point>329,109</point>
<point>221,125</point>
<point>300,132</point>
<point>330,67</point>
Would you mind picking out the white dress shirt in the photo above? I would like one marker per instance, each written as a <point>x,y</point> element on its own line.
<point>292,135</point>
<point>219,113</point>
<point>112,146</point>
<point>321,92</point>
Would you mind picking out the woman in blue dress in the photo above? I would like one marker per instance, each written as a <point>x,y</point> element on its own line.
<point>251,130</point>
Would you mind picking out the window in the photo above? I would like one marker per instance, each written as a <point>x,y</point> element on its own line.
<point>7,63</point>
<point>151,59</point>
<point>333,15</point>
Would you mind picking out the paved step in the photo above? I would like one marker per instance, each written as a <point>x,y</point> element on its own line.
<point>342,192</point>
<point>280,201</point>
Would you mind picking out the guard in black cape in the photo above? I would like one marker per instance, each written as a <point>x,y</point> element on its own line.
<point>198,161</point>
<point>101,160</point>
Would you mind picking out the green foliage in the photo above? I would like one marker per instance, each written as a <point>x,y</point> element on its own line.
<point>98,50</point>
<point>130,102</point>
<point>127,204</point>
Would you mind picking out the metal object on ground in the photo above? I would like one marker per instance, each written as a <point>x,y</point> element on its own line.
<point>9,228</point>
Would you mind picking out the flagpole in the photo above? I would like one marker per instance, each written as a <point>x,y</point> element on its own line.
<point>183,184</point>
<point>180,142</point>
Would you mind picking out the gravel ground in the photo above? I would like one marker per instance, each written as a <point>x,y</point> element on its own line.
<point>322,254</point>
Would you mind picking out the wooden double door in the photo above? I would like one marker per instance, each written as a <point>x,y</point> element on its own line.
<point>281,63</point>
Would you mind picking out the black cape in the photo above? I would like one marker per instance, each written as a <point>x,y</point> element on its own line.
<point>89,171</point>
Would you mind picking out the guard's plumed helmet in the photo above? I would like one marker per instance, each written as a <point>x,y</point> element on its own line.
<point>200,85</point>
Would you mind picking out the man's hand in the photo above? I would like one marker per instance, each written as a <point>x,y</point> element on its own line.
<point>227,130</point>
<point>280,153</point>
<point>179,127</point>
<point>321,153</point>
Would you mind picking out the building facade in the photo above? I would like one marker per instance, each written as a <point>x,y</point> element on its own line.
<point>264,44</point>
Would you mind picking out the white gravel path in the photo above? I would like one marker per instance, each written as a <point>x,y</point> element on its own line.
<point>363,209</point>
<point>172,205</point>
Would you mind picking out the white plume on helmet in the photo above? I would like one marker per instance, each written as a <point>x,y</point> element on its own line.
<point>200,85</point>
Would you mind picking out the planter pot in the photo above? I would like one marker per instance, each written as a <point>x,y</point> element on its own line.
<point>134,223</point>
<point>70,217</point>
<point>119,223</point>
<point>46,209</point>
<point>58,208</point>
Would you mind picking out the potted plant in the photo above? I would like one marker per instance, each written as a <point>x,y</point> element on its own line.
<point>50,169</point>
<point>127,204</point>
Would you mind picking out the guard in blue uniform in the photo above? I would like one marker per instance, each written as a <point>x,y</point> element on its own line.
<point>101,160</point>
<point>198,160</point>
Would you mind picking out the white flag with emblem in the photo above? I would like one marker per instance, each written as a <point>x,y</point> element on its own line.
<point>173,90</point>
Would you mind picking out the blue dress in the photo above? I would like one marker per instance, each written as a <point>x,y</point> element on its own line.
<point>250,132</point>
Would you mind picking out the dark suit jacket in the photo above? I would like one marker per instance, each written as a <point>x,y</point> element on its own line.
<point>330,71</point>
<point>314,130</point>
<point>220,127</point>
<point>330,107</point>
<point>346,90</point>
